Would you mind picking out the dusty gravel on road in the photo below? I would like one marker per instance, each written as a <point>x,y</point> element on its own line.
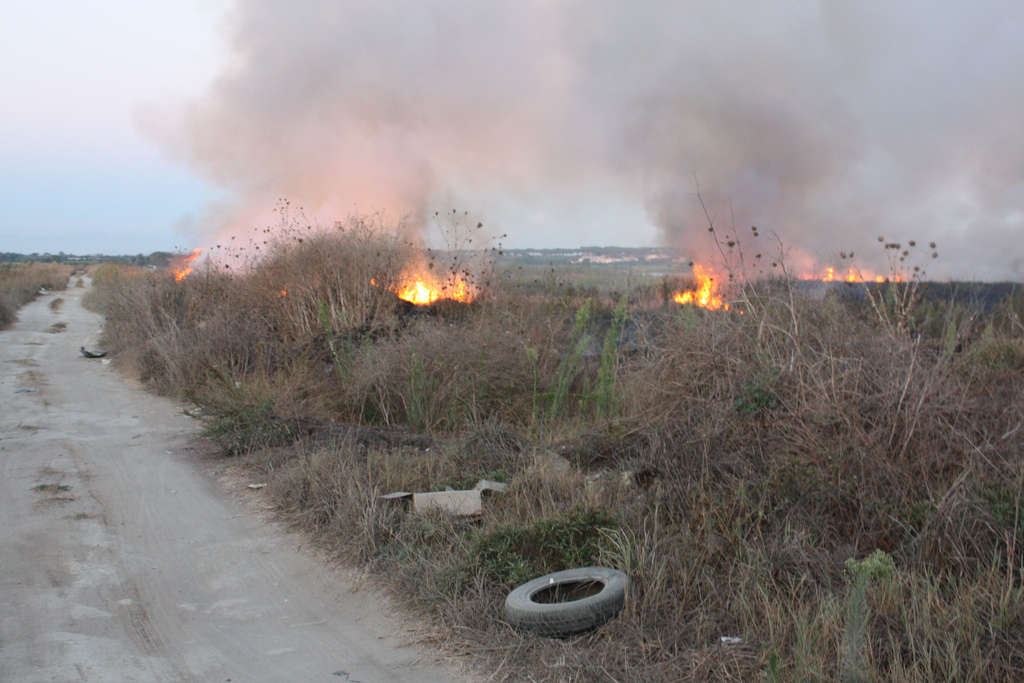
<point>121,560</point>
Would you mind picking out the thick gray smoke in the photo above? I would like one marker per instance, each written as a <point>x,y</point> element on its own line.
<point>827,123</point>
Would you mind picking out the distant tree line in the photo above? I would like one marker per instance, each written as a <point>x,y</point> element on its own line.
<point>157,259</point>
<point>564,256</point>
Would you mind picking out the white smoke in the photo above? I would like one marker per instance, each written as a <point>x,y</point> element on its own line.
<point>827,123</point>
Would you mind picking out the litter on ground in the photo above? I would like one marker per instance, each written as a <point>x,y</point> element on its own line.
<point>459,503</point>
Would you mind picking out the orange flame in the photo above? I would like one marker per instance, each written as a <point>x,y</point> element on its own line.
<point>851,275</point>
<point>421,288</point>
<point>705,295</point>
<point>184,267</point>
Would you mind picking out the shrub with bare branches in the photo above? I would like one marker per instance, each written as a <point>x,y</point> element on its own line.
<point>833,485</point>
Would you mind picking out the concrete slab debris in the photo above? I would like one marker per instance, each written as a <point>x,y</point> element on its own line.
<point>467,503</point>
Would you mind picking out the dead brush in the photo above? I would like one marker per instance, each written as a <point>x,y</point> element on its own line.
<point>331,489</point>
<point>775,446</point>
<point>20,283</point>
<point>348,275</point>
<point>435,379</point>
<point>838,441</point>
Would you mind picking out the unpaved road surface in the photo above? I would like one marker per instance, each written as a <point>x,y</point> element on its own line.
<point>121,561</point>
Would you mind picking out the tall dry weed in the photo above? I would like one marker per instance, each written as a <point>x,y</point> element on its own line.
<point>744,458</point>
<point>20,283</point>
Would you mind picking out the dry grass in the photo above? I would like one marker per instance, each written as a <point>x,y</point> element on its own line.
<point>731,464</point>
<point>20,283</point>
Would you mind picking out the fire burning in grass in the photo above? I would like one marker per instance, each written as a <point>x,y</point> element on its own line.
<point>706,294</point>
<point>851,275</point>
<point>184,267</point>
<point>422,288</point>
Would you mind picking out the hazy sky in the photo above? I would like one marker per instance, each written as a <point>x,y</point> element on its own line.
<point>76,175</point>
<point>561,122</point>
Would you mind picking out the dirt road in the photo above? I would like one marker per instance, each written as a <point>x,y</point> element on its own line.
<point>121,561</point>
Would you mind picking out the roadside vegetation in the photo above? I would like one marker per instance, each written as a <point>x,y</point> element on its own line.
<point>834,485</point>
<point>20,283</point>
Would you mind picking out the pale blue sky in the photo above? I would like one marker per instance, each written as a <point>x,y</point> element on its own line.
<point>76,175</point>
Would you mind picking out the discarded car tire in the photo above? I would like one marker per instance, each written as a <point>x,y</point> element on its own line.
<point>548,604</point>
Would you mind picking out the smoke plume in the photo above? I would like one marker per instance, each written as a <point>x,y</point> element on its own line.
<point>829,124</point>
